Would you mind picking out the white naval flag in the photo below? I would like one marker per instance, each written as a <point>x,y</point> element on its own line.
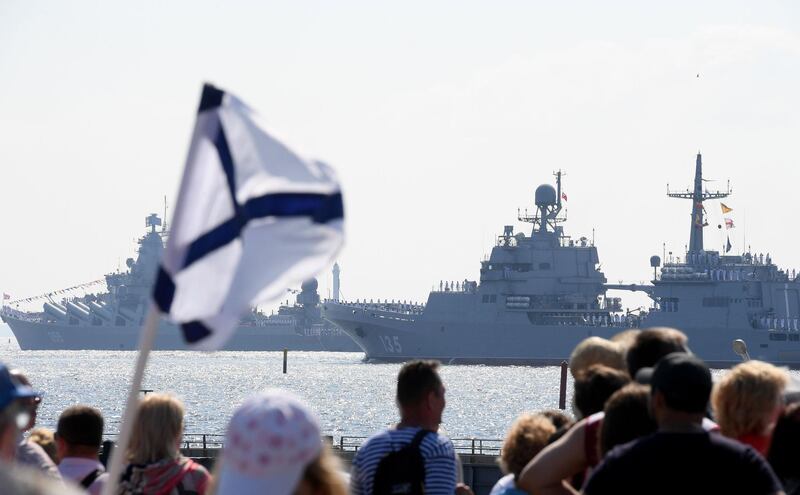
<point>252,219</point>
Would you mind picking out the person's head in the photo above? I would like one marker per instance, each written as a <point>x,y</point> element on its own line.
<point>273,446</point>
<point>596,350</point>
<point>652,344</point>
<point>157,429</point>
<point>748,399</point>
<point>528,436</point>
<point>791,393</point>
<point>625,338</point>
<point>562,422</point>
<point>680,389</point>
<point>322,476</point>
<point>31,403</point>
<point>44,438</point>
<point>420,394</point>
<point>559,418</point>
<point>782,454</point>
<point>14,413</point>
<point>594,386</point>
<point>79,432</point>
<point>627,416</point>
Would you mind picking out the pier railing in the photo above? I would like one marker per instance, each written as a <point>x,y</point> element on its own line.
<point>199,443</point>
<point>472,446</point>
<point>205,444</point>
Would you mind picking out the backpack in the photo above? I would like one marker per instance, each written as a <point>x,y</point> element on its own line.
<point>90,478</point>
<point>402,472</point>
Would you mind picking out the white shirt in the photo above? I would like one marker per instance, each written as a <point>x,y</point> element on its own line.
<point>32,455</point>
<point>503,484</point>
<point>75,469</point>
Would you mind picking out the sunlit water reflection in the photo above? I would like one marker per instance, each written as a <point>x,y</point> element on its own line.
<point>349,396</point>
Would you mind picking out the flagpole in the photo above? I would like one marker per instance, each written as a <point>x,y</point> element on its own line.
<point>146,340</point>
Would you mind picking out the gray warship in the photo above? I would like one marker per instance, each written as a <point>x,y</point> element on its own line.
<point>540,294</point>
<point>112,320</point>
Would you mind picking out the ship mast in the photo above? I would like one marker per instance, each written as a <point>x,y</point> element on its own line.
<point>698,196</point>
<point>548,208</point>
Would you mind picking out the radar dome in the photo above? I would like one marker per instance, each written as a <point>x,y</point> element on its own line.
<point>310,285</point>
<point>545,195</point>
<point>655,261</point>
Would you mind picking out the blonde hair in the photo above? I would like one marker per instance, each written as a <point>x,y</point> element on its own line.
<point>324,474</point>
<point>746,398</point>
<point>625,338</point>
<point>596,350</point>
<point>156,430</point>
<point>45,439</point>
<point>526,438</point>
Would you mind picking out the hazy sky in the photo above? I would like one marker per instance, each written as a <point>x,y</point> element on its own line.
<point>440,117</point>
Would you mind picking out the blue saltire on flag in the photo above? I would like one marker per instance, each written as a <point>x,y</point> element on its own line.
<point>252,219</point>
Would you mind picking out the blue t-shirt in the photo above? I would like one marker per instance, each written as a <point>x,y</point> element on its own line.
<point>437,452</point>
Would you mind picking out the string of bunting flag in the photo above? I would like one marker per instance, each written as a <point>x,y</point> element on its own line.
<point>728,224</point>
<point>728,220</point>
<point>54,293</point>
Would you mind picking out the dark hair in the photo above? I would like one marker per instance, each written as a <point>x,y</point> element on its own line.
<point>415,380</point>
<point>559,418</point>
<point>559,433</point>
<point>684,381</point>
<point>782,454</point>
<point>627,416</point>
<point>81,425</point>
<point>651,345</point>
<point>594,386</point>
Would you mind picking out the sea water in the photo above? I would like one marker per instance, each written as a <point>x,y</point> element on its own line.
<point>350,397</point>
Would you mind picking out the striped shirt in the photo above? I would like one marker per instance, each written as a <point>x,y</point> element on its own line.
<point>437,452</point>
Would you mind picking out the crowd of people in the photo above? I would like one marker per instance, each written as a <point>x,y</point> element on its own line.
<point>647,418</point>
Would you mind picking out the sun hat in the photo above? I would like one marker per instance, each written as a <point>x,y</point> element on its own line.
<point>271,438</point>
<point>11,390</point>
<point>685,381</point>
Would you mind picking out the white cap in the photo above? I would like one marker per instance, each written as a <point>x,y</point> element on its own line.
<point>271,439</point>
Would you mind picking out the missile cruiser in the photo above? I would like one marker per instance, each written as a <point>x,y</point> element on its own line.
<point>541,294</point>
<point>112,320</point>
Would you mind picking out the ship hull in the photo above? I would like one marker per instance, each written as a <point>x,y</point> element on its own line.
<point>385,337</point>
<point>32,335</point>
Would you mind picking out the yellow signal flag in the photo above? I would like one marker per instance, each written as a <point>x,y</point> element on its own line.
<point>725,209</point>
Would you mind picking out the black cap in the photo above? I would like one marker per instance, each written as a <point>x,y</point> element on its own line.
<point>684,380</point>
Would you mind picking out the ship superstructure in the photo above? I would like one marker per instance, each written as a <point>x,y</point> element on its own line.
<point>539,295</point>
<point>716,297</point>
<point>112,319</point>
